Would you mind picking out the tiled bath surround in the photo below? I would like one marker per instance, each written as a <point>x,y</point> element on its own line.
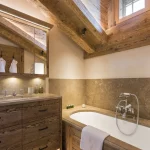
<point>16,83</point>
<point>71,90</point>
<point>103,93</point>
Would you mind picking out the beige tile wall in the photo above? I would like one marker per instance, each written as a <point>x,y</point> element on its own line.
<point>104,93</point>
<point>71,90</point>
<point>16,83</point>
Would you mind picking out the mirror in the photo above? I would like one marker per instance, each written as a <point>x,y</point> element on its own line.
<point>24,45</point>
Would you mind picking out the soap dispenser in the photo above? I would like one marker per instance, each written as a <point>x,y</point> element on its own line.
<point>40,89</point>
<point>36,91</point>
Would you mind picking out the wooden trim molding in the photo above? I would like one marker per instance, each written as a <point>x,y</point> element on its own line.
<point>24,18</point>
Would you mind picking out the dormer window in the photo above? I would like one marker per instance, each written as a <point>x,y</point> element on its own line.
<point>128,7</point>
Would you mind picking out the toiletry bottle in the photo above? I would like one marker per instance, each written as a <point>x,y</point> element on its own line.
<point>40,89</point>
<point>36,91</point>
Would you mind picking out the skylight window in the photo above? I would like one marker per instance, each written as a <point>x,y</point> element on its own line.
<point>128,7</point>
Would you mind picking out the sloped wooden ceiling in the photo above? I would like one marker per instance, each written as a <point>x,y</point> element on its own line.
<point>97,34</point>
<point>68,15</point>
<point>99,10</point>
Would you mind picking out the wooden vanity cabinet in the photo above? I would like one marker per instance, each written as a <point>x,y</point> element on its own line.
<point>31,125</point>
<point>10,115</point>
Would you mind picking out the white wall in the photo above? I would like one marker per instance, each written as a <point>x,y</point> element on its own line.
<point>133,63</point>
<point>66,58</point>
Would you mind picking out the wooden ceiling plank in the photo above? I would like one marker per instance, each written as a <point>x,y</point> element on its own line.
<point>85,16</point>
<point>132,33</point>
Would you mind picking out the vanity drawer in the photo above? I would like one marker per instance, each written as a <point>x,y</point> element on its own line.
<point>39,129</point>
<point>38,110</point>
<point>47,143</point>
<point>10,115</point>
<point>11,138</point>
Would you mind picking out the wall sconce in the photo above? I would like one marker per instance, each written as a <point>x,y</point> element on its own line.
<point>83,31</point>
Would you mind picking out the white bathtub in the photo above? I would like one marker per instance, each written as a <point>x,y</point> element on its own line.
<point>141,139</point>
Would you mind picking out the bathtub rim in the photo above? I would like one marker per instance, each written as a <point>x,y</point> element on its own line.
<point>78,125</point>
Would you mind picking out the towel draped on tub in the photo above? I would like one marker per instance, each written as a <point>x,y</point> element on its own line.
<point>92,138</point>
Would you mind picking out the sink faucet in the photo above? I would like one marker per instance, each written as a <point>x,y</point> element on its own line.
<point>14,93</point>
<point>22,92</point>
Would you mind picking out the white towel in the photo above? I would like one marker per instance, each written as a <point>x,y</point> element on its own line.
<point>2,65</point>
<point>92,138</point>
<point>13,66</point>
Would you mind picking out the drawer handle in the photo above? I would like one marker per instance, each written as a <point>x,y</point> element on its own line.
<point>43,148</point>
<point>43,110</point>
<point>43,129</point>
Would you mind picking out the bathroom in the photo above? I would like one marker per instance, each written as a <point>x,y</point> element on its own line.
<point>95,75</point>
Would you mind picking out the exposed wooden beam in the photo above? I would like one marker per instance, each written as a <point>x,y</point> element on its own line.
<point>63,17</point>
<point>132,33</point>
<point>16,15</point>
<point>20,41</point>
<point>85,16</point>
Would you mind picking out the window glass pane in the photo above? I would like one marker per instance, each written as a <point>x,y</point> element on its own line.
<point>128,10</point>
<point>138,5</point>
<point>127,7</point>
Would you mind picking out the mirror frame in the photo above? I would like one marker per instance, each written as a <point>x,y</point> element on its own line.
<point>15,15</point>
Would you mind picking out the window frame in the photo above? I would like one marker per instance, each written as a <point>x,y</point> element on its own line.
<point>117,20</point>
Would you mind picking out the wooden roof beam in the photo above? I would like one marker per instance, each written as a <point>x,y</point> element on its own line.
<point>85,16</point>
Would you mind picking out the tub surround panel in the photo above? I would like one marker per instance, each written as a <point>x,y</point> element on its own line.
<point>104,93</point>
<point>71,90</point>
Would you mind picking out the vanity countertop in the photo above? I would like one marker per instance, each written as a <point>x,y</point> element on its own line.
<point>27,98</point>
